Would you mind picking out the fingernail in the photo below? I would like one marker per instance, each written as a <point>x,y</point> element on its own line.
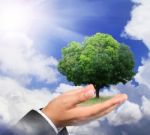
<point>123,99</point>
<point>90,93</point>
<point>125,96</point>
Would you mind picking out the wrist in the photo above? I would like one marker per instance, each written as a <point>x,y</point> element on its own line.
<point>50,116</point>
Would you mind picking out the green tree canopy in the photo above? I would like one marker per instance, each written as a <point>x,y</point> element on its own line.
<point>98,60</point>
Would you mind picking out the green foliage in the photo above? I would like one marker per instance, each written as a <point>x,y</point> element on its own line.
<point>99,60</point>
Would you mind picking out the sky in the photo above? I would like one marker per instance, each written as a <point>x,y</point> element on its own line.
<point>32,34</point>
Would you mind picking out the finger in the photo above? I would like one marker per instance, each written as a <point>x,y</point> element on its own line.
<point>100,107</point>
<point>76,91</point>
<point>94,110</point>
<point>88,119</point>
<point>82,95</point>
<point>70,92</point>
<point>105,112</point>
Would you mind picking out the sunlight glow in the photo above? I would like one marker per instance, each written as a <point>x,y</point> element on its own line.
<point>15,17</point>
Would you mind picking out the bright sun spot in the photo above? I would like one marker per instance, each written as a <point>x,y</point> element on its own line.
<point>15,17</point>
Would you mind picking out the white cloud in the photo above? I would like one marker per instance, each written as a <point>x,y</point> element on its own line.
<point>128,113</point>
<point>20,59</point>
<point>17,100</point>
<point>145,106</point>
<point>4,114</point>
<point>139,28</point>
<point>65,88</point>
<point>107,92</point>
<point>139,25</point>
<point>21,62</point>
<point>88,129</point>
<point>143,75</point>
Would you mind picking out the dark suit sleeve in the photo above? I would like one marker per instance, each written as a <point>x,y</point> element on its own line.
<point>34,124</point>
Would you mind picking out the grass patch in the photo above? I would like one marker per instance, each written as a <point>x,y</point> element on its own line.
<point>96,100</point>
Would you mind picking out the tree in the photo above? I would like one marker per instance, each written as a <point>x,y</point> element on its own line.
<point>100,60</point>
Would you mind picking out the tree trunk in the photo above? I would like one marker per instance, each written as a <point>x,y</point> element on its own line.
<point>97,92</point>
<point>97,87</point>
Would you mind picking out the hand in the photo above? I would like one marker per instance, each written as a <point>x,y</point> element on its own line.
<point>65,110</point>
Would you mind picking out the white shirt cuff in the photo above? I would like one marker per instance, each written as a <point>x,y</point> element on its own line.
<point>57,130</point>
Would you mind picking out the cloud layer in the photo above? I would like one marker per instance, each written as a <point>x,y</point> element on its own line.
<point>133,114</point>
<point>16,100</point>
<point>138,26</point>
<point>19,59</point>
<point>21,63</point>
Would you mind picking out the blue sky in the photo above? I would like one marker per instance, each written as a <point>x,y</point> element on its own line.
<point>106,16</point>
<point>32,34</point>
<point>112,20</point>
